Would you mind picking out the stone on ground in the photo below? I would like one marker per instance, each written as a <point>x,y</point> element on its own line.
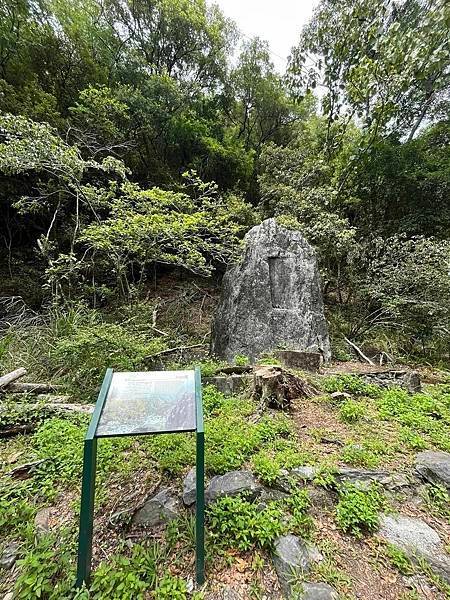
<point>394,482</point>
<point>317,591</point>
<point>305,361</point>
<point>272,298</point>
<point>293,557</point>
<point>434,467</point>
<point>189,488</point>
<point>418,540</point>
<point>42,521</point>
<point>231,484</point>
<point>160,509</point>
<point>9,555</point>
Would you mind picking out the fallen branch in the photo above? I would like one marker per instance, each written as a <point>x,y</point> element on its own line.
<point>10,377</point>
<point>32,388</point>
<point>17,429</point>
<point>359,351</point>
<point>50,398</point>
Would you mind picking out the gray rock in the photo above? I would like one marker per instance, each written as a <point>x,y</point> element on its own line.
<point>392,482</point>
<point>293,557</point>
<point>418,540</point>
<point>272,298</point>
<point>317,591</point>
<point>9,555</point>
<point>160,509</point>
<point>434,467</point>
<point>411,382</point>
<point>42,521</point>
<point>229,593</point>
<point>306,473</point>
<point>306,361</point>
<point>189,488</point>
<point>231,484</point>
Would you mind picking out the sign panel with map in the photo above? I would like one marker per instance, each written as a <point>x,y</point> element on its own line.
<point>149,402</point>
<point>143,403</point>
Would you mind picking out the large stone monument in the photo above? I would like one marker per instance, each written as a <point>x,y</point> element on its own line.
<point>272,299</point>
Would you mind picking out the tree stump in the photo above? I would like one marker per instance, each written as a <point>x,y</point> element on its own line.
<point>275,387</point>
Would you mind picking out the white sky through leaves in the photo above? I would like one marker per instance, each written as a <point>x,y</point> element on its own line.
<point>277,21</point>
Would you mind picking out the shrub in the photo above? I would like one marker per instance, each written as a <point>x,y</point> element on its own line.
<point>298,503</point>
<point>357,509</point>
<point>351,384</point>
<point>16,512</point>
<point>60,442</point>
<point>437,499</point>
<point>420,415</point>
<point>237,523</point>
<point>126,578</point>
<point>351,411</point>
<point>358,456</point>
<point>266,467</point>
<point>45,572</point>
<point>171,588</point>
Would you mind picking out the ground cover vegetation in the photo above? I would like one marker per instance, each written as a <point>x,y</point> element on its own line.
<point>139,142</point>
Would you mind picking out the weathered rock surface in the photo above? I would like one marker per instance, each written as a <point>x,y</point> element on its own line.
<point>189,491</point>
<point>9,555</point>
<point>272,298</point>
<point>418,540</point>
<point>317,591</point>
<point>364,477</point>
<point>306,361</point>
<point>159,509</point>
<point>306,473</point>
<point>292,556</point>
<point>434,467</point>
<point>42,521</point>
<point>231,484</point>
<point>409,380</point>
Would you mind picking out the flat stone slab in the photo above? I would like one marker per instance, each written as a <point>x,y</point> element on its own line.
<point>434,467</point>
<point>231,484</point>
<point>159,509</point>
<point>418,540</point>
<point>295,359</point>
<point>292,557</point>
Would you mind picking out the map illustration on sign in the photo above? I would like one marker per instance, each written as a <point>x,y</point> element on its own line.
<point>149,402</point>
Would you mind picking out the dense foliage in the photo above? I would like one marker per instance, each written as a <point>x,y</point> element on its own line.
<point>139,137</point>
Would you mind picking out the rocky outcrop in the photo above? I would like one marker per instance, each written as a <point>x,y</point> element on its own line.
<point>293,557</point>
<point>418,540</point>
<point>434,467</point>
<point>232,484</point>
<point>272,298</point>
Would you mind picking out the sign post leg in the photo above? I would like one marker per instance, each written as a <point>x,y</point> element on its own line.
<point>200,509</point>
<point>87,512</point>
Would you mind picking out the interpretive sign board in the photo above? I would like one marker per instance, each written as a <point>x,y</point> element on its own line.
<point>142,403</point>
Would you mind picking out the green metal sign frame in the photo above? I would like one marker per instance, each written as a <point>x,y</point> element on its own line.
<point>88,484</point>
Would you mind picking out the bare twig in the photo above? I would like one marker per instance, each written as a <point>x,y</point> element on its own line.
<point>359,351</point>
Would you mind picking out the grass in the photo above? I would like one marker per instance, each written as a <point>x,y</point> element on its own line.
<point>372,428</point>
